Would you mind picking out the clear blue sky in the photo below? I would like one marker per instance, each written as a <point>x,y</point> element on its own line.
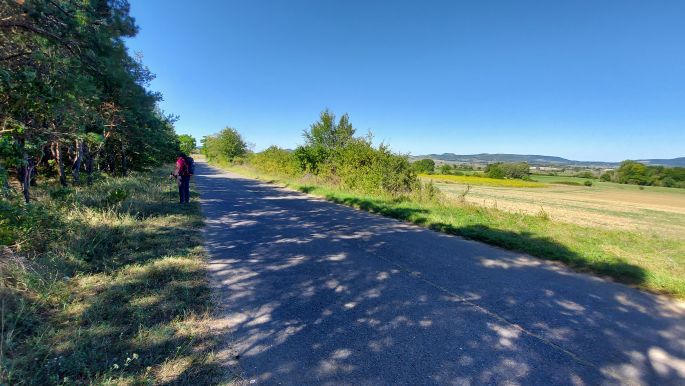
<point>587,80</point>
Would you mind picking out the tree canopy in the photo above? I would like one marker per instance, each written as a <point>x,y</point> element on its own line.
<point>225,146</point>
<point>187,143</point>
<point>425,165</point>
<point>70,92</point>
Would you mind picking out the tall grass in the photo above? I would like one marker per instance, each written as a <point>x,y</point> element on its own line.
<point>105,285</point>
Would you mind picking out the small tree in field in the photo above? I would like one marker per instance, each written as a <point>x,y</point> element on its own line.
<point>445,169</point>
<point>425,165</point>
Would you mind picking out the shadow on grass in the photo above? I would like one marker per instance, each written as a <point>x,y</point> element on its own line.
<point>384,208</point>
<point>546,248</point>
<point>306,189</point>
<point>128,301</point>
<point>527,242</point>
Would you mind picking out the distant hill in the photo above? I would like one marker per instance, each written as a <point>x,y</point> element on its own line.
<point>540,160</point>
<point>680,161</point>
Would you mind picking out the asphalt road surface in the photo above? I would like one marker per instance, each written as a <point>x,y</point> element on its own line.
<point>310,292</point>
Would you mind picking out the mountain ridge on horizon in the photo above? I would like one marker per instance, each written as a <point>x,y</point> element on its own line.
<point>542,160</point>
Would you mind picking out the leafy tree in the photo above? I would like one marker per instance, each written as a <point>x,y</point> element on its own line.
<point>425,165</point>
<point>66,75</point>
<point>321,140</point>
<point>607,176</point>
<point>224,146</point>
<point>446,169</point>
<point>332,153</point>
<point>327,134</point>
<point>631,172</point>
<point>187,143</point>
<point>518,170</point>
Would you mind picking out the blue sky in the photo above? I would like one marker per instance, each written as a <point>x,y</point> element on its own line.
<point>587,80</point>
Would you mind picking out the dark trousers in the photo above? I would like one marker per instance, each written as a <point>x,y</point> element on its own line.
<point>183,188</point>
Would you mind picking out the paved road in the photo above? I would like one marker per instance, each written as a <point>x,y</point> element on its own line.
<point>315,293</point>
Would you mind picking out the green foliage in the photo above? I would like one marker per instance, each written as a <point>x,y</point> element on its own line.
<point>67,78</point>
<point>359,166</point>
<point>276,161</point>
<point>327,134</point>
<point>632,172</point>
<point>587,183</point>
<point>520,170</point>
<point>322,139</point>
<point>426,166</point>
<point>585,174</point>
<point>607,176</point>
<point>187,143</point>
<point>333,153</point>
<point>445,169</point>
<point>225,146</point>
<point>102,292</point>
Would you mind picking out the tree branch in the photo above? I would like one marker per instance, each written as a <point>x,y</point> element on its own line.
<point>8,57</point>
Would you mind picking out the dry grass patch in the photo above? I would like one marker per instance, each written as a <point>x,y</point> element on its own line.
<point>476,180</point>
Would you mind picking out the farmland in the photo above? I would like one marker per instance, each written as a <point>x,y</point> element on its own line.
<point>655,210</point>
<point>484,181</point>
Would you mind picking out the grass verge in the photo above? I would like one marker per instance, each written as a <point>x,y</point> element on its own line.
<point>105,285</point>
<point>644,260</point>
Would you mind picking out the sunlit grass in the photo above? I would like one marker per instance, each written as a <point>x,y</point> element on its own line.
<point>476,180</point>
<point>114,290</point>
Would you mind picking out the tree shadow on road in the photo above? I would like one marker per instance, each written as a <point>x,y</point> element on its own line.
<point>309,291</point>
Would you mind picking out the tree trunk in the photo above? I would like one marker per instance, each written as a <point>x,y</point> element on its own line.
<point>76,172</point>
<point>124,166</point>
<point>89,164</point>
<point>26,176</point>
<point>59,159</point>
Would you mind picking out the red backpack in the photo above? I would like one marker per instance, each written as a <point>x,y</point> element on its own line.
<point>183,168</point>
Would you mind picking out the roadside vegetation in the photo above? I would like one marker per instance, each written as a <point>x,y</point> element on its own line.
<point>102,276</point>
<point>647,261</point>
<point>105,285</point>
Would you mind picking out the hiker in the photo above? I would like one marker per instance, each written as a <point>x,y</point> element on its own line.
<point>184,169</point>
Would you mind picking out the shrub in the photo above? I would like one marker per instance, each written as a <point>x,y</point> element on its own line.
<point>587,183</point>
<point>275,160</point>
<point>508,170</point>
<point>444,169</point>
<point>361,167</point>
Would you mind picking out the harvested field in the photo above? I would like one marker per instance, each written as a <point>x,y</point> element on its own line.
<point>652,209</point>
<point>478,180</point>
